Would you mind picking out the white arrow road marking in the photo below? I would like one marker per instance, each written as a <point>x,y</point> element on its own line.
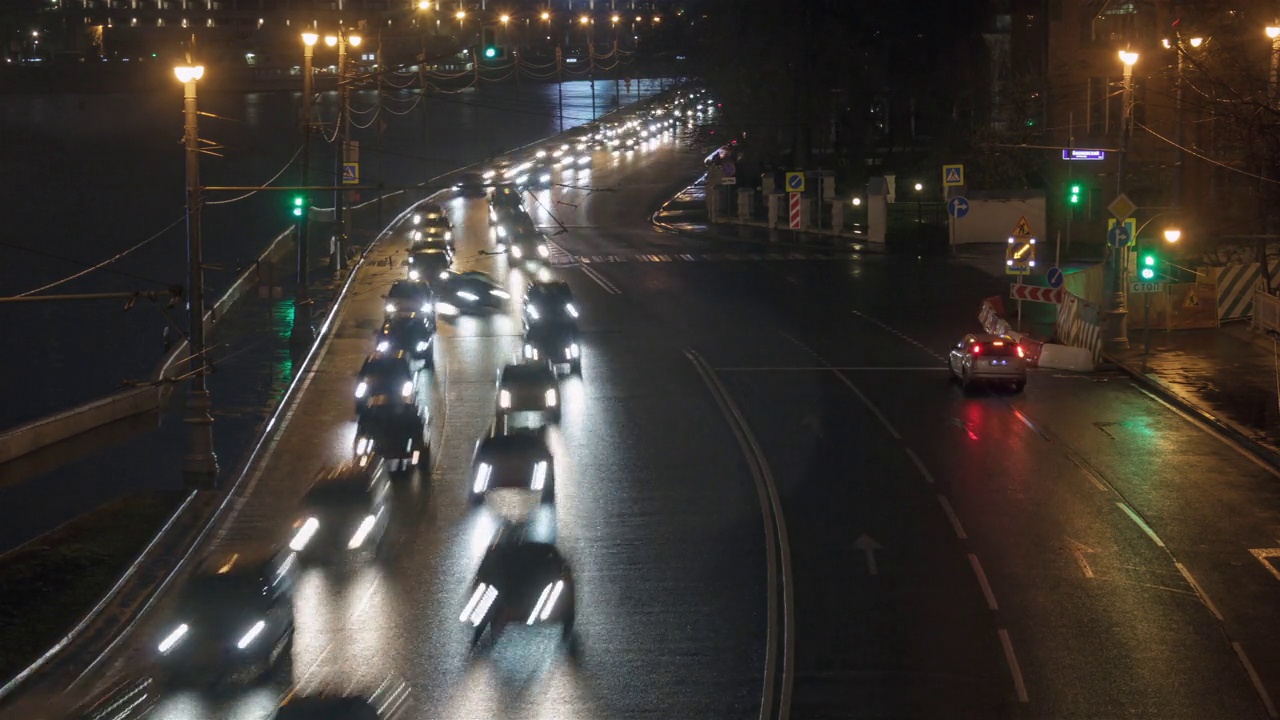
<point>1078,550</point>
<point>869,547</point>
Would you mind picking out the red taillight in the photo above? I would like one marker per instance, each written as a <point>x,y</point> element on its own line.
<point>976,349</point>
<point>1020,353</point>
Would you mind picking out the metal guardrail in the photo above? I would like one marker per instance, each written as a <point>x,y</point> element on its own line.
<point>1266,312</point>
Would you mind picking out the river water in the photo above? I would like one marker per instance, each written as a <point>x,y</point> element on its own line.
<point>86,177</point>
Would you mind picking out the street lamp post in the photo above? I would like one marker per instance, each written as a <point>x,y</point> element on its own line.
<point>1117,338</point>
<point>591,61</point>
<point>200,466</point>
<point>1180,47</point>
<point>340,220</point>
<point>1273,32</point>
<point>301,334</point>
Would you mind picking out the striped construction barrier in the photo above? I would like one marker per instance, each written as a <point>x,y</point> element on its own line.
<point>1079,324</point>
<point>1236,284</point>
<point>989,316</point>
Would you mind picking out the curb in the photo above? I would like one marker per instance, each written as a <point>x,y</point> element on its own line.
<point>1229,430</point>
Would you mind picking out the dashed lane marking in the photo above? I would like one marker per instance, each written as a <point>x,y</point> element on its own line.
<point>901,336</point>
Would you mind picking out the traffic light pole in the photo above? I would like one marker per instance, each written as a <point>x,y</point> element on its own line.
<point>302,335</point>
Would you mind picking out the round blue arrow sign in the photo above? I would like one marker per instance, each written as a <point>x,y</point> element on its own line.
<point>1118,236</point>
<point>957,207</point>
<point>1054,277</point>
<point>795,181</point>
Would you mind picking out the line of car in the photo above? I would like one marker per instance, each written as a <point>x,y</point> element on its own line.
<point>233,620</point>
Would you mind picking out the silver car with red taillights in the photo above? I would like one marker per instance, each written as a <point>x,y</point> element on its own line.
<point>990,359</point>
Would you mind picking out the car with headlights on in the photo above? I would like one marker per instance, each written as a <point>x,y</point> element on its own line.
<point>385,373</point>
<point>410,334</point>
<point>232,622</point>
<point>345,514</point>
<point>427,263</point>
<point>520,461</point>
<point>555,343</point>
<point>528,388</point>
<point>431,213</point>
<point>990,360</point>
<point>470,185</point>
<point>397,432</point>
<point>523,583</point>
<point>549,302</point>
<point>409,297</point>
<point>468,293</point>
<point>427,236</point>
<point>530,248</point>
<point>506,195</point>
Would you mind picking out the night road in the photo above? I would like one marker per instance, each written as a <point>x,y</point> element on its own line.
<point>770,491</point>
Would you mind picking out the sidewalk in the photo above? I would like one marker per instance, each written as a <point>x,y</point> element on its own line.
<point>1226,376</point>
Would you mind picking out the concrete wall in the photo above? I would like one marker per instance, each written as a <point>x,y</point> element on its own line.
<point>993,215</point>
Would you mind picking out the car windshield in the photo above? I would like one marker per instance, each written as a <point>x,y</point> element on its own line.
<point>385,367</point>
<point>221,597</point>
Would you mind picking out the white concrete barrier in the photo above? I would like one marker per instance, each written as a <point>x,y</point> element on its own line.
<point>50,429</point>
<point>1066,357</point>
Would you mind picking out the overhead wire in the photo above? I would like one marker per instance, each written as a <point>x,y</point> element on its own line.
<point>266,184</point>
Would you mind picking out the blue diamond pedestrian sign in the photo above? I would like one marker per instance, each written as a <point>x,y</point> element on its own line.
<point>795,182</point>
<point>350,173</point>
<point>1054,277</point>
<point>958,207</point>
<point>952,175</point>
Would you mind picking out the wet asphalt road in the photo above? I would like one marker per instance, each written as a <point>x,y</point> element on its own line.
<point>1079,551</point>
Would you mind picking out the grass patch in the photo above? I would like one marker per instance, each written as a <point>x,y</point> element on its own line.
<point>47,585</point>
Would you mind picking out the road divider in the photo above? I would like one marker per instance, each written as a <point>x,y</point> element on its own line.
<point>779,671</point>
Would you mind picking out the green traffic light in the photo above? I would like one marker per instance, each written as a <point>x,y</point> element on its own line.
<point>1148,274</point>
<point>491,52</point>
<point>297,206</point>
<point>1148,271</point>
<point>1074,197</point>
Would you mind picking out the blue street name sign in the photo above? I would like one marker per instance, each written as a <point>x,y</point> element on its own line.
<point>1084,154</point>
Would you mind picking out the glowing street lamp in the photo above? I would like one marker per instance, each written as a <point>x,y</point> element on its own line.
<point>1172,235</point>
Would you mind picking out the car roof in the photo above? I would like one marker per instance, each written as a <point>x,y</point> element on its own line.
<point>529,372</point>
<point>343,481</point>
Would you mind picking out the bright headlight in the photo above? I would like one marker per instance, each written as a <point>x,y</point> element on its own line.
<point>529,352</point>
<point>173,638</point>
<point>445,308</point>
<point>417,218</point>
<point>544,177</point>
<point>383,345</point>
<point>533,312</point>
<point>478,606</point>
<point>574,351</point>
<point>551,397</point>
<point>361,532</point>
<point>390,308</point>
<point>569,308</point>
<point>413,275</point>
<point>544,251</point>
<point>541,153</point>
<point>483,472</point>
<point>516,252</point>
<point>504,399</point>
<point>363,445</point>
<point>502,231</point>
<point>448,234</point>
<point>468,296</point>
<point>251,635</point>
<point>421,346</point>
<point>522,180</point>
<point>407,389</point>
<point>308,529</point>
<point>539,475</point>
<point>546,602</point>
<point>361,389</point>
<point>501,294</point>
<point>426,307</point>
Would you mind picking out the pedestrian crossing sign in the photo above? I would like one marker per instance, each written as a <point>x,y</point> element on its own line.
<point>351,173</point>
<point>952,175</point>
<point>1192,300</point>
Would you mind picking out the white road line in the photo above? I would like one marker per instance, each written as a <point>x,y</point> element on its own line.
<point>831,367</point>
<point>951,515</point>
<point>1019,686</point>
<point>982,581</point>
<point>600,280</point>
<point>1082,562</point>
<point>1093,477</point>
<point>928,476</point>
<point>869,405</point>
<point>1141,523</point>
<point>1204,597</point>
<point>364,600</point>
<point>1257,681</point>
<point>778,561</point>
<point>1210,430</point>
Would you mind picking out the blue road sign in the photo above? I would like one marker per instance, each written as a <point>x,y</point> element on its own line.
<point>350,173</point>
<point>1054,277</point>
<point>795,182</point>
<point>1118,236</point>
<point>728,168</point>
<point>957,207</point>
